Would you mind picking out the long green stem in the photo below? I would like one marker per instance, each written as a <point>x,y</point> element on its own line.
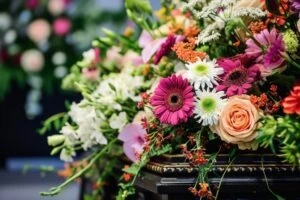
<point>55,190</point>
<point>267,183</point>
<point>222,177</point>
<point>290,60</point>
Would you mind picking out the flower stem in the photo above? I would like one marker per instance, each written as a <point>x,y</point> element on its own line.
<point>222,177</point>
<point>55,190</point>
<point>290,60</point>
<point>267,183</point>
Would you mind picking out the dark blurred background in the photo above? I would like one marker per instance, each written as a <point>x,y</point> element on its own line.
<point>20,144</point>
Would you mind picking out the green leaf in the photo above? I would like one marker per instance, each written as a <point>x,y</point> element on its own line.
<point>133,169</point>
<point>112,87</point>
<point>141,6</point>
<point>88,197</point>
<point>165,149</point>
<point>211,136</point>
<point>233,152</point>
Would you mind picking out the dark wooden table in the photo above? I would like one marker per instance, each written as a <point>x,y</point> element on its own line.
<point>165,179</point>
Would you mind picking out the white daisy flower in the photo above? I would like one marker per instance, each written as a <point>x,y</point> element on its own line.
<point>203,73</point>
<point>209,105</point>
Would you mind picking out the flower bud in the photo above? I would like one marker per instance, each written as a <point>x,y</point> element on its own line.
<point>55,140</point>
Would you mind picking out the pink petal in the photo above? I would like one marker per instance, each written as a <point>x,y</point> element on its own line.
<point>173,118</point>
<point>160,109</point>
<point>131,131</point>
<point>145,39</point>
<point>221,87</point>
<point>165,116</point>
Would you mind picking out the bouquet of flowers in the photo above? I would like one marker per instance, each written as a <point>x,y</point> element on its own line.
<point>198,72</point>
<point>39,40</point>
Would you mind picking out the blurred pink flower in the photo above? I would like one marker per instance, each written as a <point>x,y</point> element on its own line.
<point>61,26</point>
<point>56,7</point>
<point>113,55</point>
<point>32,4</point>
<point>32,60</point>
<point>173,100</point>
<point>133,136</point>
<point>39,30</point>
<point>91,73</point>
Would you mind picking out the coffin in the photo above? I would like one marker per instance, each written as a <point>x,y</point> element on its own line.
<point>250,176</point>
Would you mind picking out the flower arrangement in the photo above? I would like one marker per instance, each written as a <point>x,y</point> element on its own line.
<point>201,71</point>
<point>39,40</point>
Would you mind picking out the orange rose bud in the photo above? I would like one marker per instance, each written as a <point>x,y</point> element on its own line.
<point>291,104</point>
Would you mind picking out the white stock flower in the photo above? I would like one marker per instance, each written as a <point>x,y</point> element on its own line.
<point>88,122</point>
<point>67,155</point>
<point>118,121</point>
<point>118,87</point>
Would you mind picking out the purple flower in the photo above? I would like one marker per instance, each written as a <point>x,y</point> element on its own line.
<point>295,4</point>
<point>161,46</point>
<point>268,52</point>
<point>133,136</point>
<point>239,74</point>
<point>32,4</point>
<point>165,48</point>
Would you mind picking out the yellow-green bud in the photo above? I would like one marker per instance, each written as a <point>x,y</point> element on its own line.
<point>291,41</point>
<point>55,140</point>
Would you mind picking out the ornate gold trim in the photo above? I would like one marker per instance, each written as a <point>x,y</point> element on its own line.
<point>164,165</point>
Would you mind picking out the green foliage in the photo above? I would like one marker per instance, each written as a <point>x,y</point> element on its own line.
<point>232,26</point>
<point>166,148</point>
<point>140,11</point>
<point>133,169</point>
<point>139,6</point>
<point>285,131</point>
<point>8,76</point>
<point>54,123</point>
<point>286,81</point>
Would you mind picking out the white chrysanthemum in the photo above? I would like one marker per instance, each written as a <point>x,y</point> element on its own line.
<point>209,105</point>
<point>203,73</point>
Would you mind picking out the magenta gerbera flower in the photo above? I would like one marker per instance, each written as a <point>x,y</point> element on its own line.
<point>268,52</point>
<point>173,100</point>
<point>239,74</point>
<point>164,49</point>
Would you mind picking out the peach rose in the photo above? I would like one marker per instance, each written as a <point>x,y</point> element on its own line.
<point>238,122</point>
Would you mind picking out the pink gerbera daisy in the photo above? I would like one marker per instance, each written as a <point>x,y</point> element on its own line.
<point>173,100</point>
<point>238,75</point>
